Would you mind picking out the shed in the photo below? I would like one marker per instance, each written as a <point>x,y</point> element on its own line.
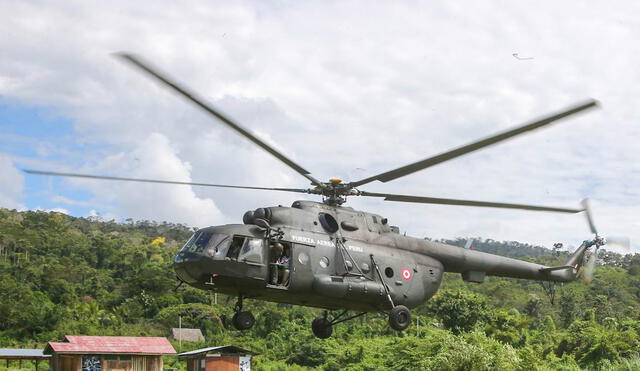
<point>193,335</point>
<point>221,358</point>
<point>23,355</point>
<point>108,353</point>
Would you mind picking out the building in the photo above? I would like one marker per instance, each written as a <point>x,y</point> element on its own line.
<point>20,355</point>
<point>223,358</point>
<point>108,353</point>
<point>192,335</point>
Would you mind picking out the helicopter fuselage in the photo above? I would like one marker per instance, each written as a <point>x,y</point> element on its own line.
<point>332,257</point>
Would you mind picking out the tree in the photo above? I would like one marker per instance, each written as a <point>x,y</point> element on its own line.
<point>459,310</point>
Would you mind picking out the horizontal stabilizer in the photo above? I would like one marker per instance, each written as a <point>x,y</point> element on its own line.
<point>557,268</point>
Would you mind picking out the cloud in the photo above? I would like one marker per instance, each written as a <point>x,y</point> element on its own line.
<point>153,158</point>
<point>11,184</point>
<point>54,210</point>
<point>340,86</point>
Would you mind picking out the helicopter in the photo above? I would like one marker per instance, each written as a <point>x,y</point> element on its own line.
<point>331,256</point>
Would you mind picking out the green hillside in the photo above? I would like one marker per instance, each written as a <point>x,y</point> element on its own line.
<point>63,275</point>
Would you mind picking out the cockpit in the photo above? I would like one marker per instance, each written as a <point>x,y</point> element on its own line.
<point>224,251</point>
<point>220,246</point>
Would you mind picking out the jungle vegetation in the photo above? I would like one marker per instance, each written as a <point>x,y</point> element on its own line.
<point>64,275</point>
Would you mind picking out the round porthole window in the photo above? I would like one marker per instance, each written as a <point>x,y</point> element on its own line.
<point>348,264</point>
<point>364,267</point>
<point>303,258</point>
<point>324,262</point>
<point>328,222</point>
<point>388,272</point>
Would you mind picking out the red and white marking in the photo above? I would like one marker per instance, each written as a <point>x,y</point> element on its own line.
<point>406,274</point>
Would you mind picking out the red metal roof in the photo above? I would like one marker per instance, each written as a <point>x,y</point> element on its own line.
<point>112,344</point>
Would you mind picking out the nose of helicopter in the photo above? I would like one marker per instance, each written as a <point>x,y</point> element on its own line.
<point>186,266</point>
<point>193,267</point>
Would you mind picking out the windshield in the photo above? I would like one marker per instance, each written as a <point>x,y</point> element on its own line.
<point>200,240</point>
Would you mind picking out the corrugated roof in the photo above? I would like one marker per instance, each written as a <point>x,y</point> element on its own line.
<point>22,353</point>
<point>187,334</point>
<point>219,349</point>
<point>112,344</point>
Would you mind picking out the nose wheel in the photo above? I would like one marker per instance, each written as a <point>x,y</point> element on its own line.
<point>242,320</point>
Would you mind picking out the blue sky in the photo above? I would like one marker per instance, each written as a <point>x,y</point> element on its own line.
<point>36,136</point>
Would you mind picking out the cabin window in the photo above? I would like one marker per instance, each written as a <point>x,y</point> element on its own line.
<point>349,265</point>
<point>251,250</point>
<point>388,272</point>
<point>234,248</point>
<point>324,262</point>
<point>303,258</point>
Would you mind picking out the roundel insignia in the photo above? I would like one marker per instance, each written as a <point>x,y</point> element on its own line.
<point>406,274</point>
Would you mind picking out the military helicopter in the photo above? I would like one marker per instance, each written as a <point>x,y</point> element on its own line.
<point>330,256</point>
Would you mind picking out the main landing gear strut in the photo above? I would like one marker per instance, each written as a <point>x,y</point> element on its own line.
<point>242,320</point>
<point>322,327</point>
<point>399,316</point>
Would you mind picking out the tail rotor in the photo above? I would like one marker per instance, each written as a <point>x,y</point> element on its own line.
<point>598,241</point>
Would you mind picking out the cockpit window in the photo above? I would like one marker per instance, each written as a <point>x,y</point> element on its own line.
<point>234,249</point>
<point>242,249</point>
<point>200,240</point>
<point>190,242</point>
<point>217,242</point>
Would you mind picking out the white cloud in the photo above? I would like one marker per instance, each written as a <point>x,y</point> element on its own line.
<point>11,184</point>
<point>341,86</point>
<point>54,210</point>
<point>153,158</point>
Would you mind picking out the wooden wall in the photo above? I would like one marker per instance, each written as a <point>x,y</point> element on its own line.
<point>134,363</point>
<point>214,364</point>
<point>66,362</point>
<point>222,364</point>
<point>146,363</point>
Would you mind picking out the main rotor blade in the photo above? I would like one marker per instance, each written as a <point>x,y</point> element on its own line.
<point>136,61</point>
<point>450,201</point>
<point>446,156</point>
<point>103,177</point>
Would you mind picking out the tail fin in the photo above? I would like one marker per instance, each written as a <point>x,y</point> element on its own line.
<point>569,270</point>
<point>576,259</point>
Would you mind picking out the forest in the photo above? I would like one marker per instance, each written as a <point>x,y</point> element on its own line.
<point>65,275</point>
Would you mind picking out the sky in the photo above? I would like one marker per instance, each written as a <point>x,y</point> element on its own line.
<point>347,89</point>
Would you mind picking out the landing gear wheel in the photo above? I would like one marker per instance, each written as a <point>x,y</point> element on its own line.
<point>322,327</point>
<point>399,318</point>
<point>243,320</point>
